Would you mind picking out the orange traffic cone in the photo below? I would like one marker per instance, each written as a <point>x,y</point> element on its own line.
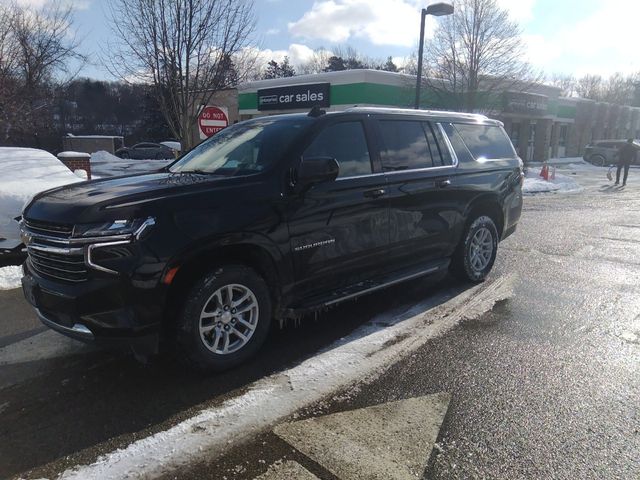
<point>544,173</point>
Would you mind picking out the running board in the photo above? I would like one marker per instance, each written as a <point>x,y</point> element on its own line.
<point>364,288</point>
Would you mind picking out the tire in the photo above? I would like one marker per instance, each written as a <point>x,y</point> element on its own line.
<point>474,258</point>
<point>598,160</point>
<point>207,324</point>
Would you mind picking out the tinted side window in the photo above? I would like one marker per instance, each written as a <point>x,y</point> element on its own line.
<point>462,152</point>
<point>405,145</point>
<point>346,142</point>
<point>440,151</point>
<point>486,141</point>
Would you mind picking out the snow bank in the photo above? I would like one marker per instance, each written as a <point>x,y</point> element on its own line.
<point>23,173</point>
<point>172,145</point>
<point>534,183</point>
<point>71,154</point>
<point>104,164</point>
<point>10,277</point>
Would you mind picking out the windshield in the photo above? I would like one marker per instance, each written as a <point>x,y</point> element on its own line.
<point>245,148</point>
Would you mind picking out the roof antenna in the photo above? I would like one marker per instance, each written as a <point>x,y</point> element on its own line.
<point>316,112</point>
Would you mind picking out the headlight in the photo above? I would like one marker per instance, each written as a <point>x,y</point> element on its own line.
<point>114,228</point>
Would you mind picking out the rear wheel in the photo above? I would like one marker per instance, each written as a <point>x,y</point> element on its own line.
<point>598,160</point>
<point>225,319</point>
<point>476,253</point>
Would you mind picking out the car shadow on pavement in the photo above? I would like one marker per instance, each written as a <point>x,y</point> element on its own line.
<point>108,400</point>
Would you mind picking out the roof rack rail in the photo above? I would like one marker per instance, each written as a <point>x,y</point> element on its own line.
<point>316,111</point>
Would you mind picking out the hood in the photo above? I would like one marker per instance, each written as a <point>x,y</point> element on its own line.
<point>87,201</point>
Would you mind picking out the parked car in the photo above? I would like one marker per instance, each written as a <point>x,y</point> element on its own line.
<point>604,152</point>
<point>146,151</point>
<point>271,219</point>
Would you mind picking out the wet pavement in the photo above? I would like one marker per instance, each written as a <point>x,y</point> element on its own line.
<point>545,385</point>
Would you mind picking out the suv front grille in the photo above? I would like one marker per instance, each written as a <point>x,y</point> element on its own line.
<point>46,228</point>
<point>68,267</point>
<point>51,254</point>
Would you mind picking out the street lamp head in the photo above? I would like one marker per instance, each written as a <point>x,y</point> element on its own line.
<point>439,9</point>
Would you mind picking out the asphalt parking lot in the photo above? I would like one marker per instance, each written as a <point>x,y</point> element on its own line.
<point>541,382</point>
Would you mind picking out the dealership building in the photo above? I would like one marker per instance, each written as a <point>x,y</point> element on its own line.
<point>540,122</point>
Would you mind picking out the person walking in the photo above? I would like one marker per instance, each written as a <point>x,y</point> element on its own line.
<point>626,156</point>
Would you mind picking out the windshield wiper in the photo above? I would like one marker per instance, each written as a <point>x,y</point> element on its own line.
<point>197,171</point>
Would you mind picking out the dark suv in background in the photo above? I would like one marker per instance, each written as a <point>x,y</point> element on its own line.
<point>270,219</point>
<point>604,152</point>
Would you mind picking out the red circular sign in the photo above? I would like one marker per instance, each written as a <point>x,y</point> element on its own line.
<point>211,120</point>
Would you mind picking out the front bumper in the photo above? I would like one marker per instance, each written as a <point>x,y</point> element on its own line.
<point>112,312</point>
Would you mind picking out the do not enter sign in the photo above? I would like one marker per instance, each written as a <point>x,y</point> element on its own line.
<point>211,120</point>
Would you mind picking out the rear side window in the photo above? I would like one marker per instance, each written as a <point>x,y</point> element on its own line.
<point>440,151</point>
<point>488,142</point>
<point>405,145</point>
<point>462,152</point>
<point>346,142</point>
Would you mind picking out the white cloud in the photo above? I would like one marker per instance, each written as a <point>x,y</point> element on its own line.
<point>601,43</point>
<point>382,22</point>
<point>76,4</point>
<point>298,55</point>
<point>520,10</point>
<point>272,31</point>
<point>540,51</point>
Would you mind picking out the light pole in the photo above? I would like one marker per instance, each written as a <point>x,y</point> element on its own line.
<point>438,9</point>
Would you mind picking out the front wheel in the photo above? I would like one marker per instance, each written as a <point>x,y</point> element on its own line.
<point>476,253</point>
<point>225,319</point>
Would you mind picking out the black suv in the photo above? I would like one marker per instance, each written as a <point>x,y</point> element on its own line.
<point>270,219</point>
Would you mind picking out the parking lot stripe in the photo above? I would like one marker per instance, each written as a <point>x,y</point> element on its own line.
<point>287,470</point>
<point>391,441</point>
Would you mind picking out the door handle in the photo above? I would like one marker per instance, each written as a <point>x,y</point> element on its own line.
<point>376,193</point>
<point>444,183</point>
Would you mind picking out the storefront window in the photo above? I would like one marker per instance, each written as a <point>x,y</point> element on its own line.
<point>515,134</point>
<point>562,140</point>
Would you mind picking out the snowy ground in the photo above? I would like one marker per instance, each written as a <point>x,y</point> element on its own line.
<point>10,277</point>
<point>25,172</point>
<point>104,164</point>
<point>569,173</point>
<point>534,183</point>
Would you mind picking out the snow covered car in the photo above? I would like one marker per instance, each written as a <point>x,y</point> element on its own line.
<point>25,172</point>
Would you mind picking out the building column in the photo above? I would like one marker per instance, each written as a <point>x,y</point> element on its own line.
<point>523,140</point>
<point>555,138</point>
<point>542,140</point>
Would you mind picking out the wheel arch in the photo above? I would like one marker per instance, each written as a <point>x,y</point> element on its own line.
<point>192,266</point>
<point>486,205</point>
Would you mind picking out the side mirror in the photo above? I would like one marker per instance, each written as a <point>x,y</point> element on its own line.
<point>316,170</point>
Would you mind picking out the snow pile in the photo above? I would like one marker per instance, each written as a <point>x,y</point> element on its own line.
<point>534,183</point>
<point>23,173</point>
<point>104,164</point>
<point>81,174</point>
<point>70,154</point>
<point>10,277</point>
<point>172,145</point>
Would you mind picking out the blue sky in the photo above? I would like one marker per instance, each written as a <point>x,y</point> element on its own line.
<point>563,36</point>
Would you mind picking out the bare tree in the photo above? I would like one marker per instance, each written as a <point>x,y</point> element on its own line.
<point>478,49</point>
<point>619,89</point>
<point>317,63</point>
<point>183,47</point>
<point>590,86</point>
<point>37,47</point>
<point>566,83</point>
